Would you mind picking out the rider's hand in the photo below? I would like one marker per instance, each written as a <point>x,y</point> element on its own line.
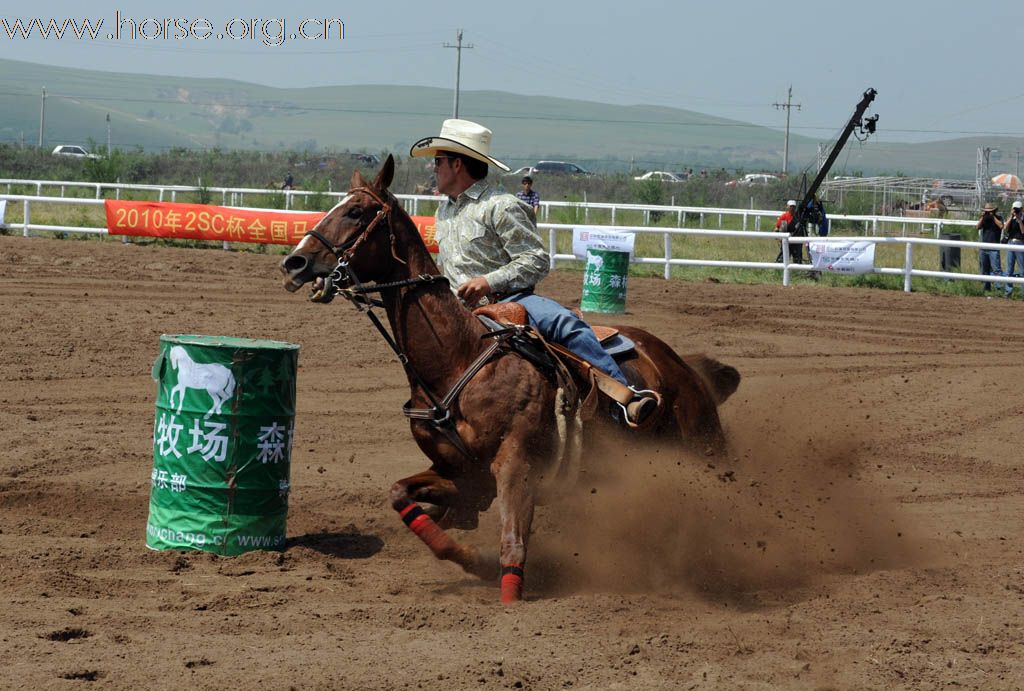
<point>473,290</point>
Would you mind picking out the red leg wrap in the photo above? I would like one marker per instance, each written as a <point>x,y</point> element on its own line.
<point>425,529</point>
<point>511,583</point>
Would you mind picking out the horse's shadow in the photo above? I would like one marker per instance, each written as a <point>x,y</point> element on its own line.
<point>345,545</point>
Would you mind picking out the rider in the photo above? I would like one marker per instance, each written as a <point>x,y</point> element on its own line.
<point>490,250</point>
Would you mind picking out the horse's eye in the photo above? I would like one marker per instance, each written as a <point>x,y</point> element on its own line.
<point>354,212</point>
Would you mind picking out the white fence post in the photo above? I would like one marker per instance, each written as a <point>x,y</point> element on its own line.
<point>785,261</point>
<point>908,266</point>
<point>25,218</point>
<point>668,256</point>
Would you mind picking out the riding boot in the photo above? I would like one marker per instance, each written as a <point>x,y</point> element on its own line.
<point>637,405</point>
<point>640,409</point>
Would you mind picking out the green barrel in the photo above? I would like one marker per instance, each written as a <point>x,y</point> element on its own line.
<point>222,439</point>
<point>604,281</point>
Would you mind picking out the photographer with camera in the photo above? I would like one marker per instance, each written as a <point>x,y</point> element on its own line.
<point>990,229</point>
<point>1013,233</point>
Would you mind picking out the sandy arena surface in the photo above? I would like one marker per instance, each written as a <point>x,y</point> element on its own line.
<point>864,532</point>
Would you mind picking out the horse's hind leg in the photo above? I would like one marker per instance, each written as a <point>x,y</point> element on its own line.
<point>430,487</point>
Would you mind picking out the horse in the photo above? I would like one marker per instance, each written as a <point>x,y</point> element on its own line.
<point>499,436</point>
<point>216,380</point>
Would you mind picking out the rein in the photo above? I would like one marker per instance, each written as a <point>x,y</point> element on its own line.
<point>438,414</point>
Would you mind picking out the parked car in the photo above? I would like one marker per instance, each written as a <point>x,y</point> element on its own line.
<point>525,170</point>
<point>757,179</point>
<point>955,192</point>
<point>753,179</point>
<point>559,167</point>
<point>368,159</point>
<point>661,175</point>
<point>73,151</point>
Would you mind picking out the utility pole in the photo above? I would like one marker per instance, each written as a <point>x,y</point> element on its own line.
<point>108,135</point>
<point>458,65</point>
<point>42,118</point>
<point>789,106</point>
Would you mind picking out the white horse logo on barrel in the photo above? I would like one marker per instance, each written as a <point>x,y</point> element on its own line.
<point>216,380</point>
<point>595,260</point>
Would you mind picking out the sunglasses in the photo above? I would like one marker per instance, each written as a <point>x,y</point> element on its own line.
<point>438,159</point>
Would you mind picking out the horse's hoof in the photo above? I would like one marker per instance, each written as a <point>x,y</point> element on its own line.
<point>484,569</point>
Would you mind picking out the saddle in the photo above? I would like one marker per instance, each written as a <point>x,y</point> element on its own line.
<point>514,314</point>
<point>577,377</point>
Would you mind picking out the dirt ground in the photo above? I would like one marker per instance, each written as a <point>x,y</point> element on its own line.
<point>864,532</point>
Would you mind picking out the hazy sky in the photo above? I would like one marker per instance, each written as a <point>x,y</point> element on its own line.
<point>942,68</point>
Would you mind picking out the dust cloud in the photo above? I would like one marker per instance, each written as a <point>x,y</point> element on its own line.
<point>791,502</point>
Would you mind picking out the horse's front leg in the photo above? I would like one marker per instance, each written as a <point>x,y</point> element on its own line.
<point>516,500</point>
<point>430,487</point>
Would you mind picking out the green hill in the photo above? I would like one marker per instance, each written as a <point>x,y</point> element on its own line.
<point>161,112</point>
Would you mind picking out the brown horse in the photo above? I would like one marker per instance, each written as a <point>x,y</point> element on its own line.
<point>499,437</point>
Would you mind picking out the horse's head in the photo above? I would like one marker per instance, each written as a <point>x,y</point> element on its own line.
<point>357,231</point>
<point>176,354</point>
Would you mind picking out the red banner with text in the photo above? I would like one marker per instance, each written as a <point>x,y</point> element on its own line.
<point>207,222</point>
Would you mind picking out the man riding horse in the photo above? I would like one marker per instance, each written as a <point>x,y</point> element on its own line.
<point>490,251</point>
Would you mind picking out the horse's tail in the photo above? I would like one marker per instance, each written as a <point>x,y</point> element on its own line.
<point>722,380</point>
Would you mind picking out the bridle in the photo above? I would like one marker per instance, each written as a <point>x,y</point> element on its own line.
<point>345,251</point>
<point>343,274</point>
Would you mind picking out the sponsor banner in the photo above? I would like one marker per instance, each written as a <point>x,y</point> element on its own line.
<point>843,257</point>
<point>208,222</point>
<point>596,237</point>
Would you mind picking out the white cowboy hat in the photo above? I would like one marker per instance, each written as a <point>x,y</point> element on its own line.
<point>791,202</point>
<point>461,137</point>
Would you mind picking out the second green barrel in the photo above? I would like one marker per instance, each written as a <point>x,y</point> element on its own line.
<point>604,281</point>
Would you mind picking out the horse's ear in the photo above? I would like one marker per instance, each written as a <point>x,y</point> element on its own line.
<point>357,180</point>
<point>386,174</point>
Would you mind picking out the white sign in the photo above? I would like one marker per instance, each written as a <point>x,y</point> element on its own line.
<point>843,257</point>
<point>596,237</point>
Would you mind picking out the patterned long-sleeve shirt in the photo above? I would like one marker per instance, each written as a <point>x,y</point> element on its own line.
<point>489,233</point>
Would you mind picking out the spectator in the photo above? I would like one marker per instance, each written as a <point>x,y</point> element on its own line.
<point>529,195</point>
<point>816,214</point>
<point>785,224</point>
<point>289,181</point>
<point>1014,234</point>
<point>990,229</point>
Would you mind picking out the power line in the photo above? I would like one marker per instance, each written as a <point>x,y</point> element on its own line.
<point>458,66</point>
<point>789,106</point>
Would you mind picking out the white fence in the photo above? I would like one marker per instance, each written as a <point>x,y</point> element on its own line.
<point>667,260</point>
<point>751,219</point>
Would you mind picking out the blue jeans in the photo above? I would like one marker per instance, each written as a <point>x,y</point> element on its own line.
<point>989,264</point>
<point>559,325</point>
<point>1015,259</point>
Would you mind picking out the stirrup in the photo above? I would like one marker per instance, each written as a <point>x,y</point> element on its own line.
<point>644,404</point>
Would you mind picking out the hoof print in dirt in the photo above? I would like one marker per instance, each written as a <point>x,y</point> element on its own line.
<point>69,634</point>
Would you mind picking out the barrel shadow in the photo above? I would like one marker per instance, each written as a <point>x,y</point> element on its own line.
<point>344,545</point>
